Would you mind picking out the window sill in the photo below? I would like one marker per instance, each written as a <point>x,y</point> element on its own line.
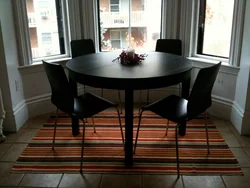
<point>38,67</point>
<point>199,62</point>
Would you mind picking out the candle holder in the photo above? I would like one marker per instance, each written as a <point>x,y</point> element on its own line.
<point>129,57</point>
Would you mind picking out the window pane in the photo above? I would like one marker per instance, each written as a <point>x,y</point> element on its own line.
<point>145,21</point>
<point>116,44</point>
<point>46,37</point>
<point>45,28</point>
<point>114,8</point>
<point>114,1</point>
<point>115,34</point>
<point>215,27</point>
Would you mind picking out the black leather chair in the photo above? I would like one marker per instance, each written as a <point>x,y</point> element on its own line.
<point>84,47</point>
<point>82,107</point>
<point>172,46</point>
<point>180,110</point>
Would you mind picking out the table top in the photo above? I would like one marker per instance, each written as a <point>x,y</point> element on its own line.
<point>157,70</point>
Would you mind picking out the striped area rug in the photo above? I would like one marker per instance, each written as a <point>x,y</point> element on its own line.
<point>155,153</point>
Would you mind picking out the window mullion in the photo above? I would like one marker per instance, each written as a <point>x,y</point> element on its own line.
<point>170,19</point>
<point>237,32</point>
<point>67,28</point>
<point>194,29</point>
<point>22,27</point>
<point>89,21</point>
<point>186,25</point>
<point>75,19</point>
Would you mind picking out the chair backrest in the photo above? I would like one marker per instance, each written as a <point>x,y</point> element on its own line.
<point>61,96</point>
<point>173,46</point>
<point>200,97</point>
<point>82,47</point>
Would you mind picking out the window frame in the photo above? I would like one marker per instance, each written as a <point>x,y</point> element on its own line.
<point>23,35</point>
<point>236,34</point>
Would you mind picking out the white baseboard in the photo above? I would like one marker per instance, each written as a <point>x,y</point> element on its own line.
<point>39,105</point>
<point>222,107</point>
<point>240,119</point>
<point>20,114</point>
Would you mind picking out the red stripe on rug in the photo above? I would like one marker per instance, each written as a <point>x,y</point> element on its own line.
<point>104,153</point>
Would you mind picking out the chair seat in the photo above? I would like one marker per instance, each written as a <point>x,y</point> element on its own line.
<point>175,108</point>
<point>88,104</point>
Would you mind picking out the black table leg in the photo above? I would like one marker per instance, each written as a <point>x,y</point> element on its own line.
<point>74,119</point>
<point>129,117</point>
<point>184,94</point>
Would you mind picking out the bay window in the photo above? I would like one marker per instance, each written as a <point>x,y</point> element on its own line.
<point>209,29</point>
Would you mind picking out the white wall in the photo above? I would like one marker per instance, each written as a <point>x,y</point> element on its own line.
<point>15,116</point>
<point>240,116</point>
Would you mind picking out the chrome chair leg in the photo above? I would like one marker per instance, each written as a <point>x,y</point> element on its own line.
<point>208,150</point>
<point>180,89</point>
<point>137,133</point>
<point>119,117</point>
<point>102,93</point>
<point>140,103</point>
<point>177,150</point>
<point>83,135</point>
<point>55,125</point>
<point>120,101</point>
<point>93,121</point>
<point>167,128</point>
<point>84,88</point>
<point>147,96</point>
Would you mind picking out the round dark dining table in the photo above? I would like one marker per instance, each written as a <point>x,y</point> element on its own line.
<point>156,71</point>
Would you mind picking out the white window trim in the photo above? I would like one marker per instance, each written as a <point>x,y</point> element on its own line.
<point>237,32</point>
<point>22,28</point>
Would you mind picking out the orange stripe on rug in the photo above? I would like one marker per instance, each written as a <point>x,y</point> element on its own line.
<point>103,152</point>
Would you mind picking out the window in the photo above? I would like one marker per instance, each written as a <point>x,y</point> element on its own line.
<point>41,32</point>
<point>115,37</point>
<point>114,6</point>
<point>215,27</point>
<point>137,22</point>
<point>46,38</point>
<point>42,38</point>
